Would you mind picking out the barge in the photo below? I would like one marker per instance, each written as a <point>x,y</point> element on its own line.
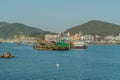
<point>60,45</point>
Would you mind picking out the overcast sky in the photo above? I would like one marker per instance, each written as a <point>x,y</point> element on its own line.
<point>59,15</point>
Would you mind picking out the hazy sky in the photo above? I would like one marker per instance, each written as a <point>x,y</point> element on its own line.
<point>59,15</point>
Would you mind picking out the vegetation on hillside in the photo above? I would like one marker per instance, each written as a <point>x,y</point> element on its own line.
<point>96,27</point>
<point>9,30</point>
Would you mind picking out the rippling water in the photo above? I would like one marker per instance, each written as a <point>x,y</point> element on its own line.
<point>97,62</point>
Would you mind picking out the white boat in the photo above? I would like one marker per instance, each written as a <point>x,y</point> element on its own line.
<point>77,44</point>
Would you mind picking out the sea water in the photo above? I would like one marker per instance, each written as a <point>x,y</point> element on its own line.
<point>97,62</point>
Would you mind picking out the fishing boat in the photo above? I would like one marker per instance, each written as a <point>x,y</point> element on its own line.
<point>77,44</point>
<point>60,45</point>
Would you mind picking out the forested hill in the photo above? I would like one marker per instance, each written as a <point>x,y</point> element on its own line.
<point>96,27</point>
<point>8,30</point>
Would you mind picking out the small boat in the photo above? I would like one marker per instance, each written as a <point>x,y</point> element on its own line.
<point>77,44</point>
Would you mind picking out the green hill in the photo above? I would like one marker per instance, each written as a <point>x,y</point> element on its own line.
<point>96,27</point>
<point>3,24</point>
<point>8,30</point>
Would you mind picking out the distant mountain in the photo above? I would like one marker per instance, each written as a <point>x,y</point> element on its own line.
<point>96,27</point>
<point>3,23</point>
<point>8,30</point>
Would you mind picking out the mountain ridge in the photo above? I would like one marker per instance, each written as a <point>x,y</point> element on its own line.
<point>8,30</point>
<point>95,27</point>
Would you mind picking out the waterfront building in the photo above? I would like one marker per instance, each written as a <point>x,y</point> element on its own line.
<point>50,37</point>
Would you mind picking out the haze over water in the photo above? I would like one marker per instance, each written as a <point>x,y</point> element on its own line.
<point>97,62</point>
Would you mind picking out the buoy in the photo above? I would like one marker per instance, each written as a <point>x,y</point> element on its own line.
<point>57,65</point>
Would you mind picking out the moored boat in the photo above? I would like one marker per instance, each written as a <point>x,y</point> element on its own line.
<point>77,44</point>
<point>61,45</point>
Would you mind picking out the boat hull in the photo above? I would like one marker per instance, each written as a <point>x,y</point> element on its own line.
<point>79,47</point>
<point>50,48</point>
